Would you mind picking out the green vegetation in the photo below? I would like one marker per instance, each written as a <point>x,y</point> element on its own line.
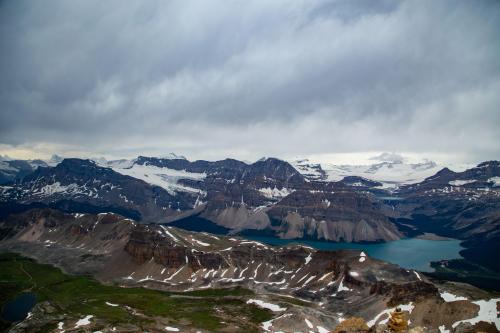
<point>463,270</point>
<point>78,296</point>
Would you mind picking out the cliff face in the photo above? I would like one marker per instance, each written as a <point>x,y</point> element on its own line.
<point>404,293</point>
<point>333,215</point>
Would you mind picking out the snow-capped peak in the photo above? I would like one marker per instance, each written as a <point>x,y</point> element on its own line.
<point>54,160</point>
<point>389,157</point>
<point>391,169</point>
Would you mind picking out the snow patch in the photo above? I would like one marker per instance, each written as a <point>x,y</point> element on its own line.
<point>200,242</point>
<point>308,258</point>
<point>265,305</point>
<point>268,324</point>
<point>309,280</point>
<point>487,313</point>
<point>324,276</point>
<point>56,187</point>
<point>342,287</point>
<point>442,329</point>
<point>449,297</point>
<point>322,329</point>
<point>83,322</point>
<point>495,181</point>
<point>162,177</point>
<point>169,233</point>
<point>275,193</point>
<point>461,182</point>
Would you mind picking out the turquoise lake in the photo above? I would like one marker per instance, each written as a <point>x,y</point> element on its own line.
<point>410,253</point>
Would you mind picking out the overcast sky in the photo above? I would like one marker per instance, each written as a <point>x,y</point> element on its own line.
<point>245,79</point>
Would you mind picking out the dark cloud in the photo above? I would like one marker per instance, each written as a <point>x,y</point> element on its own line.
<point>240,78</point>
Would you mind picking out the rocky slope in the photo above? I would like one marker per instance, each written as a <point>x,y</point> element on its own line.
<point>313,290</point>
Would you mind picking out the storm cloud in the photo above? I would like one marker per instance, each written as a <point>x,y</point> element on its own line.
<point>215,79</point>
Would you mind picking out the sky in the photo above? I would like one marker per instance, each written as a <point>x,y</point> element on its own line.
<point>246,79</point>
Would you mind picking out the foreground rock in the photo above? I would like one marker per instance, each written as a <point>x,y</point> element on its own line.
<point>328,286</point>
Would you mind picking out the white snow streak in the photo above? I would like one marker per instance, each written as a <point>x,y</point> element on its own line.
<point>449,297</point>
<point>265,305</point>
<point>83,322</point>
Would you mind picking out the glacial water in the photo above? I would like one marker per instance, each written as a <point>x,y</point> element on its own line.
<point>410,253</point>
<point>18,308</point>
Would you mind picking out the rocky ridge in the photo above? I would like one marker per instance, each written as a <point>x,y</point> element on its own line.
<point>329,285</point>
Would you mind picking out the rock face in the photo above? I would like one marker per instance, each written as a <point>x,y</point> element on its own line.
<point>360,182</point>
<point>333,215</point>
<point>403,293</point>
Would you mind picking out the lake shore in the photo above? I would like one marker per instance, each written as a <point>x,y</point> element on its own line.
<point>434,237</point>
<point>409,253</point>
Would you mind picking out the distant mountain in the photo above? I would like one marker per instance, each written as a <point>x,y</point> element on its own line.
<point>11,170</point>
<point>266,197</point>
<point>464,205</point>
<point>82,185</point>
<point>484,176</point>
<point>391,170</point>
<point>54,160</point>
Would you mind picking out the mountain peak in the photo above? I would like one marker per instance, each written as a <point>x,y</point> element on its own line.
<point>389,157</point>
<point>271,160</point>
<point>76,163</point>
<point>488,164</point>
<point>444,172</point>
<point>172,156</point>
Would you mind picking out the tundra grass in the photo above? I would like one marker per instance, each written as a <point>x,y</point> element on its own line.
<point>78,296</point>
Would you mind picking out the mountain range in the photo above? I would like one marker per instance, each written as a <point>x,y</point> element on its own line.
<point>172,224</point>
<point>269,197</point>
